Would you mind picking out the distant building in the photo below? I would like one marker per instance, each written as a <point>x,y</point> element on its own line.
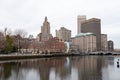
<point>117,50</point>
<point>39,37</point>
<point>63,34</point>
<point>104,42</point>
<point>45,31</point>
<point>94,26</point>
<point>49,44</point>
<point>52,45</point>
<point>110,45</point>
<point>86,42</point>
<point>80,19</point>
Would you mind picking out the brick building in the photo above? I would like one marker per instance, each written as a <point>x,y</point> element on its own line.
<point>51,46</point>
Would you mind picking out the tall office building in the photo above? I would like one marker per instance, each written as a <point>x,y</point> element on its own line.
<point>93,25</point>
<point>63,34</point>
<point>80,19</point>
<point>104,42</point>
<point>45,31</point>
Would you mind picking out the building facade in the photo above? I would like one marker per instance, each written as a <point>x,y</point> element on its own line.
<point>110,45</point>
<point>80,19</point>
<point>104,43</point>
<point>63,34</point>
<point>86,42</point>
<point>94,26</point>
<point>45,31</point>
<point>53,45</point>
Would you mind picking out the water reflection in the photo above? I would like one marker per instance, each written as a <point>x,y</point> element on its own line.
<point>62,68</point>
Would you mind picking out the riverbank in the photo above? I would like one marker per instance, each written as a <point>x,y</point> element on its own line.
<point>30,56</point>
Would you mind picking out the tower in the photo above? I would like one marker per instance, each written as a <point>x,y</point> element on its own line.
<point>93,25</point>
<point>80,19</point>
<point>45,30</point>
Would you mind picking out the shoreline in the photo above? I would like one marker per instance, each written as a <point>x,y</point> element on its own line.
<point>32,56</point>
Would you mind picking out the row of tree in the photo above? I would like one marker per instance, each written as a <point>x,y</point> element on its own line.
<point>9,41</point>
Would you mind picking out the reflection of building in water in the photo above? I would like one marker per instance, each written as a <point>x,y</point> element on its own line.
<point>44,67</point>
<point>44,70</point>
<point>89,68</point>
<point>64,71</point>
<point>1,71</point>
<point>109,63</point>
<point>111,60</point>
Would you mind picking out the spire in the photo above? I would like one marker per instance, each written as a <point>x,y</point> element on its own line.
<point>46,19</point>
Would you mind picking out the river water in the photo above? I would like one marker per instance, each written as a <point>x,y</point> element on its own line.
<point>62,68</point>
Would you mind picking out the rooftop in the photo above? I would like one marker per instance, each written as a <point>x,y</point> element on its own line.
<point>84,34</point>
<point>91,20</point>
<point>81,16</point>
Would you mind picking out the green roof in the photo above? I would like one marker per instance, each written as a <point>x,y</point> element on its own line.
<point>84,34</point>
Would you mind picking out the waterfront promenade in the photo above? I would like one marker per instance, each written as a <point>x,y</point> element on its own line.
<point>29,56</point>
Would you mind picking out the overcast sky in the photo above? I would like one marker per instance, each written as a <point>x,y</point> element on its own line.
<point>29,15</point>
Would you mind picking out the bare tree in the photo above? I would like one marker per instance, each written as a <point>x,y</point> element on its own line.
<point>20,32</point>
<point>31,36</point>
<point>7,31</point>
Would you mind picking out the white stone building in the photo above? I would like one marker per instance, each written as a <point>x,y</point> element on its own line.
<point>63,34</point>
<point>86,42</point>
<point>104,42</point>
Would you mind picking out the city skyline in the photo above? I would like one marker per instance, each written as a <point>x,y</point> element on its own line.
<point>29,15</point>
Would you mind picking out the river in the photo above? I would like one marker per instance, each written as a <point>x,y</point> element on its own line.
<point>62,68</point>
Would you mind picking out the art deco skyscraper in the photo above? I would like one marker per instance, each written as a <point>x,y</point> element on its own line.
<point>45,28</point>
<point>45,31</point>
